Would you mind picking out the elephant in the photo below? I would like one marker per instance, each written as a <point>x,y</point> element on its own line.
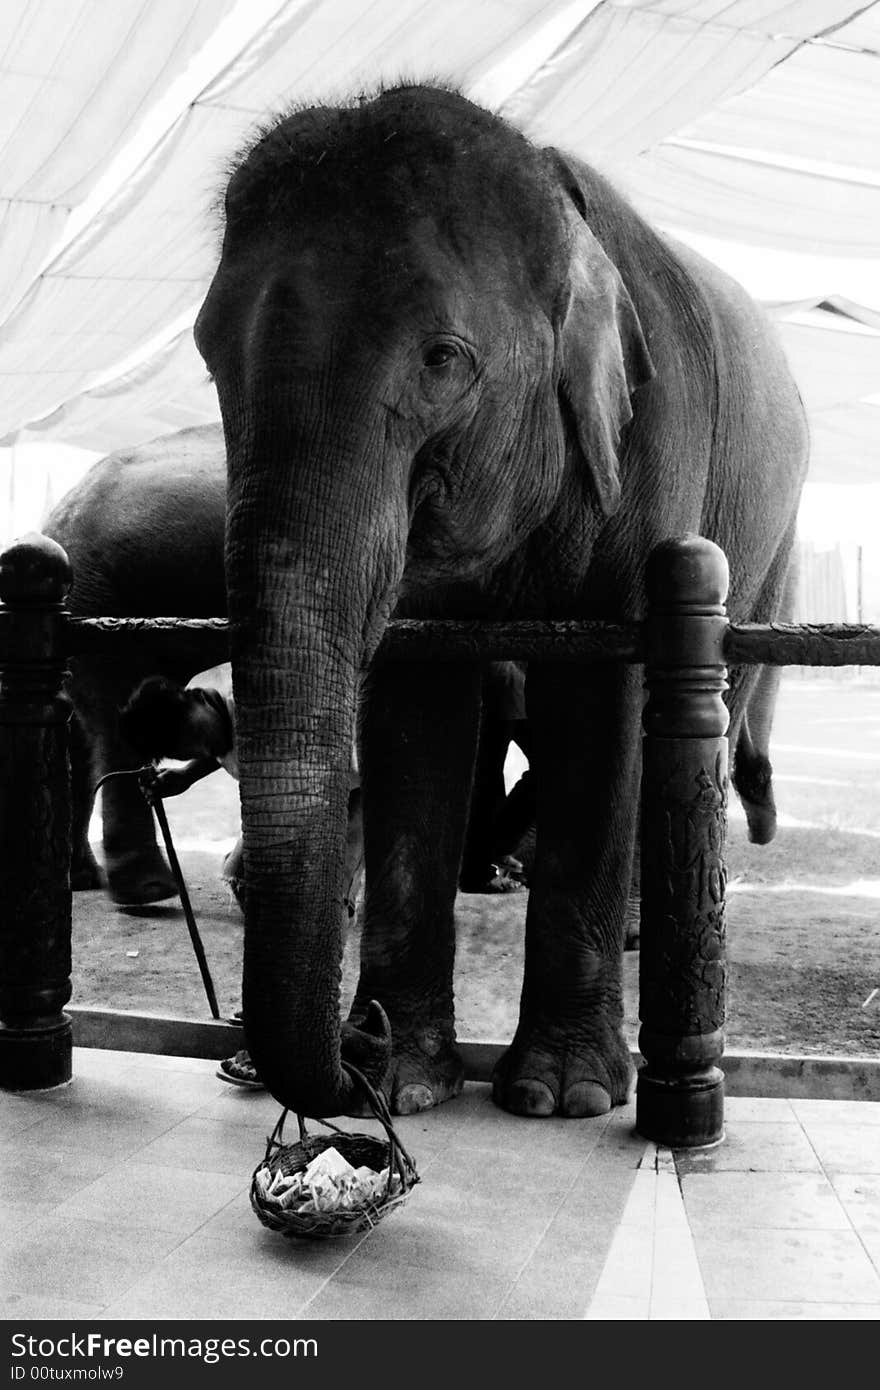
<point>137,527</point>
<point>144,532</point>
<point>503,823</point>
<point>460,376</point>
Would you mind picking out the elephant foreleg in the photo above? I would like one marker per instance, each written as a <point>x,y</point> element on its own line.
<point>752,702</point>
<point>568,1055</point>
<point>480,856</point>
<point>417,752</point>
<point>752,774</point>
<point>85,872</point>
<point>134,868</point>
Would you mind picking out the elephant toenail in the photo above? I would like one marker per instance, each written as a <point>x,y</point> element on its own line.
<point>585,1098</point>
<point>530,1098</point>
<point>411,1099</point>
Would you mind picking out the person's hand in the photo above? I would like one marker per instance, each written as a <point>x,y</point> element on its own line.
<point>171,781</point>
<point>164,782</point>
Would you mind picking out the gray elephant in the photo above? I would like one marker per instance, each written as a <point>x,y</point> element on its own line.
<point>460,376</point>
<point>144,533</point>
<point>144,529</point>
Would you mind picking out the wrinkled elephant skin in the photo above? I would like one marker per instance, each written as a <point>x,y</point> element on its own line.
<point>144,532</point>
<point>460,376</point>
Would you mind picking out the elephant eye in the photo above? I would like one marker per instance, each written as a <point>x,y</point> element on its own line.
<point>439,355</point>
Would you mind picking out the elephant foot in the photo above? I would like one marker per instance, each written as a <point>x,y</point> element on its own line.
<point>538,1077</point>
<point>425,1070</point>
<point>233,872</point>
<point>753,781</point>
<point>420,1083</point>
<point>507,876</point>
<point>761,820</point>
<point>236,890</point>
<point>138,878</point>
<point>85,872</point>
<point>233,866</point>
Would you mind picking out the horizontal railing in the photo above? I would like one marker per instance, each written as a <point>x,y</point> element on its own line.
<point>765,644</point>
<point>686,645</point>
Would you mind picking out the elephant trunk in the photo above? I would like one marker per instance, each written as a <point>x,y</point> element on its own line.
<point>312,574</point>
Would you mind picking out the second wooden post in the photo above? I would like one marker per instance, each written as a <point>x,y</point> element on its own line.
<point>682,966</point>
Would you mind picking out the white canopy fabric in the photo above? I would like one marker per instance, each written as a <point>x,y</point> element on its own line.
<point>747,127</point>
<point>76,78</point>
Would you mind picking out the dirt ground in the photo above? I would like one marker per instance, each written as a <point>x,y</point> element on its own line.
<point>803,915</point>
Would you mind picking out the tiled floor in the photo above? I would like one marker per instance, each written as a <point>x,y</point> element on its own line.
<point>124,1196</point>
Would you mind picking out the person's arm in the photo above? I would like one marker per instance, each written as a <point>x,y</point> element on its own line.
<point>171,781</point>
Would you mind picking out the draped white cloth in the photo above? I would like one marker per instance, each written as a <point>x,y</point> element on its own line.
<point>76,79</point>
<point>748,126</point>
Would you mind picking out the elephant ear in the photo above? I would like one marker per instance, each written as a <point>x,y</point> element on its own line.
<point>604,357</point>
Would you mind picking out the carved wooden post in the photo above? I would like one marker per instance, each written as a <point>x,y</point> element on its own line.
<point>35,818</point>
<point>682,967</point>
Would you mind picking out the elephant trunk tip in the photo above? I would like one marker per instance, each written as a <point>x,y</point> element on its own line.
<point>319,1088</point>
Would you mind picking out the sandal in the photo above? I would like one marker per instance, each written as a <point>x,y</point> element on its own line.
<point>239,1071</point>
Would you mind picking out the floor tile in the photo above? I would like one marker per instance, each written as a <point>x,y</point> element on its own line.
<point>106,1134</point>
<point>402,1291</point>
<point>208,1146</point>
<point>762,1199</point>
<point>148,1196</point>
<point>234,1220</point>
<point>836,1112</point>
<point>92,1061</point>
<point>753,1145</point>
<point>859,1194</point>
<point>586,1219</point>
<point>442,1194</point>
<point>545,1293</point>
<point>143,1167</point>
<point>652,1258</point>
<point>769,1109</point>
<point>17,1115</point>
<point>505,1176</point>
<point>642,1201</point>
<point>669,1212</point>
<point>238,1106</point>
<point>175,1089</point>
<point>792,1266</point>
<point>152,1061</point>
<point>55,1177</point>
<point>675,1269</point>
<point>750,1311</point>
<point>559,1280</point>
<point>841,1148</point>
<point>35,1308</point>
<point>96,1259</point>
<point>629,1264</point>
<point>617,1308</point>
<point>501,1243</point>
<point>412,1304</point>
<point>263,1276</point>
<point>16,1213</point>
<point>675,1309</point>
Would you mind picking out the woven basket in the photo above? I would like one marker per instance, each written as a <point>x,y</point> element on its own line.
<point>359,1149</point>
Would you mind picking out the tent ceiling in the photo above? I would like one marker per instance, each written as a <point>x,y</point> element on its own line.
<point>747,127</point>
<point>75,83</point>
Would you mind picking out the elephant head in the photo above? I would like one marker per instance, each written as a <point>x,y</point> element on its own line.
<point>416,341</point>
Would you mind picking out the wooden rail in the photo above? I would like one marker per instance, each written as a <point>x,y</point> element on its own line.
<point>685,644</point>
